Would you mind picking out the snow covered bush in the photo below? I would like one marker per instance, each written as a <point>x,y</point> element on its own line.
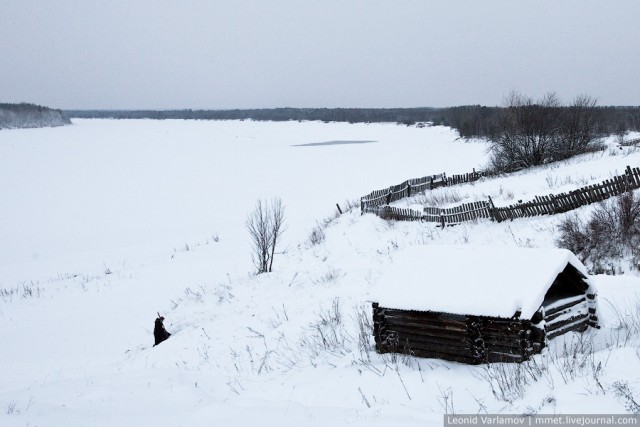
<point>611,234</point>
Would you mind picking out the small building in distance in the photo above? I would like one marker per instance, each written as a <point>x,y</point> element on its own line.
<point>475,304</point>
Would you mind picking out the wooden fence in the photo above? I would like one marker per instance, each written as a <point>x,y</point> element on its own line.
<point>541,205</point>
<point>415,186</point>
<point>631,142</point>
<point>397,214</point>
<point>457,214</point>
<point>443,216</point>
<point>466,177</point>
<point>564,202</point>
<point>400,191</point>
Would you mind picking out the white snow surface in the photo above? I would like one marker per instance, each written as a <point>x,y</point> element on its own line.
<point>106,222</point>
<point>477,280</point>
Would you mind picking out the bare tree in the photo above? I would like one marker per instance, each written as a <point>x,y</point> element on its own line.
<point>527,131</point>
<point>535,132</point>
<point>265,225</point>
<point>258,225</point>
<point>277,225</point>
<point>578,128</point>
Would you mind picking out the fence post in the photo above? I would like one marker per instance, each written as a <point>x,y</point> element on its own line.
<point>386,212</point>
<point>509,210</point>
<point>493,213</point>
<point>634,177</point>
<point>629,179</point>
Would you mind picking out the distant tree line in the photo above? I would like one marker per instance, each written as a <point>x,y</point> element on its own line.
<point>470,120</point>
<point>407,116</point>
<point>30,116</point>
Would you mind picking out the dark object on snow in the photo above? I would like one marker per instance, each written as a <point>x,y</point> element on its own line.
<point>159,332</point>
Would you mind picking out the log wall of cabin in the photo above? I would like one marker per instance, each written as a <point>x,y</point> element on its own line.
<point>568,306</point>
<point>459,338</point>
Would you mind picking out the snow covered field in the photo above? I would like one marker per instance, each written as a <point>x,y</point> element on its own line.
<point>104,223</point>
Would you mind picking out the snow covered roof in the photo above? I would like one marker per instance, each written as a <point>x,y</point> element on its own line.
<point>465,279</point>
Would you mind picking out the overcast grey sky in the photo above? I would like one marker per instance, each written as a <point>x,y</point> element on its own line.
<point>324,53</point>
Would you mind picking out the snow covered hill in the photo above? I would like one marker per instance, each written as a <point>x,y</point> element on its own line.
<point>104,223</point>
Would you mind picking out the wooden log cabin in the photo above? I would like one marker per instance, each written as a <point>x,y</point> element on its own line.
<point>477,305</point>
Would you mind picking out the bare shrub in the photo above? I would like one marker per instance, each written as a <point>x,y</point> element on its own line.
<point>526,132</point>
<point>333,334</point>
<point>317,235</point>
<point>627,324</point>
<point>440,196</point>
<point>576,359</point>
<point>628,208</point>
<point>506,193</point>
<point>223,293</point>
<point>329,277</point>
<point>265,225</point>
<point>611,233</point>
<point>508,381</point>
<point>573,235</point>
<point>532,132</point>
<point>622,391</point>
<point>10,407</point>
<point>578,128</point>
<point>327,333</point>
<point>365,330</point>
<point>350,204</point>
<point>602,230</point>
<point>23,290</point>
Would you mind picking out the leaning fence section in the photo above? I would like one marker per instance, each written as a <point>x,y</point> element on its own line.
<point>400,191</point>
<point>457,214</point>
<point>466,177</point>
<point>564,202</point>
<point>630,142</point>
<point>541,205</point>
<point>414,186</point>
<point>393,213</point>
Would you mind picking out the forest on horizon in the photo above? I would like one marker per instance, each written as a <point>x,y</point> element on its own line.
<point>470,120</point>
